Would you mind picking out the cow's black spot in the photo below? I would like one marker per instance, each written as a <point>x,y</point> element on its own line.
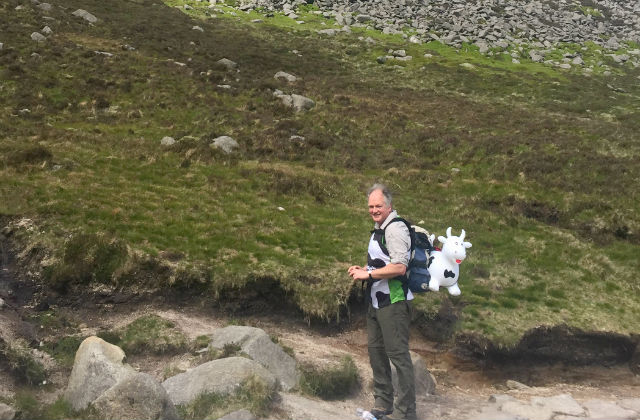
<point>448,273</point>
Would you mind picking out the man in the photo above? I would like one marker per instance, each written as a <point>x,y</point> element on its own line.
<point>389,310</point>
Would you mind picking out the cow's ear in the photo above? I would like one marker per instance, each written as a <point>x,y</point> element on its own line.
<point>442,239</point>
<point>467,244</point>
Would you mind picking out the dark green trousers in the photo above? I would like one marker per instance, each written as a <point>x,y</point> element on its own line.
<point>388,340</point>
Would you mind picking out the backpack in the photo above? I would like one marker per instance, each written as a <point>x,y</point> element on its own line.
<point>417,276</point>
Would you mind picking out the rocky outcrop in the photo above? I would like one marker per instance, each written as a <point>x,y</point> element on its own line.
<point>222,376</point>
<point>7,412</point>
<point>97,367</point>
<point>114,389</point>
<point>258,345</point>
<point>136,397</point>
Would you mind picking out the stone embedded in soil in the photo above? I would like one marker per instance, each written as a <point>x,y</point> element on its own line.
<point>606,410</point>
<point>560,404</point>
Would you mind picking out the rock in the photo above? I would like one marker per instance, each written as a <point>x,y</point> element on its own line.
<point>415,40</point>
<point>85,15</point>
<point>300,407</point>
<point>230,65</point>
<point>197,28</point>
<point>600,409</point>
<point>405,58</point>
<point>97,367</point>
<point>46,30</point>
<point>239,415</point>
<point>7,412</point>
<point>511,384</point>
<point>399,53</point>
<point>222,376</point>
<point>468,66</point>
<point>1,303</point>
<point>258,345</point>
<point>168,141</point>
<point>38,37</point>
<point>286,76</point>
<point>139,396</point>
<point>381,59</point>
<point>46,7</point>
<point>225,143</point>
<point>424,380</point>
<point>302,103</point>
<point>560,404</point>
<point>363,18</point>
<point>525,411</point>
<point>1,46</point>
<point>329,32</point>
<point>631,404</point>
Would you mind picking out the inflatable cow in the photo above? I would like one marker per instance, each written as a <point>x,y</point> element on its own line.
<point>443,265</point>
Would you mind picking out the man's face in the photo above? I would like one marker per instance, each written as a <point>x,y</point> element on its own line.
<point>378,209</point>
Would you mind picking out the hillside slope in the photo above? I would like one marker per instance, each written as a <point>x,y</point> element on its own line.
<point>536,163</point>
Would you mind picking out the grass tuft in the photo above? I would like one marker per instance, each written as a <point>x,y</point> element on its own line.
<point>331,382</point>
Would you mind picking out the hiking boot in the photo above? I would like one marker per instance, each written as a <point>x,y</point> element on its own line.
<point>379,412</point>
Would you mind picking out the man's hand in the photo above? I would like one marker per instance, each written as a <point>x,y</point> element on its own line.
<point>358,273</point>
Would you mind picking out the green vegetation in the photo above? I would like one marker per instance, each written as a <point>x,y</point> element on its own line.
<point>28,407</point>
<point>253,395</point>
<point>25,368</point>
<point>149,334</point>
<point>330,382</point>
<point>537,164</point>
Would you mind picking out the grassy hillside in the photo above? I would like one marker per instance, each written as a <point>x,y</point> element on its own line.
<point>538,165</point>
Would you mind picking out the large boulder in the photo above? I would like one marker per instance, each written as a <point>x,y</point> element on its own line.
<point>97,367</point>
<point>136,397</point>
<point>7,412</point>
<point>222,376</point>
<point>258,345</point>
<point>425,382</point>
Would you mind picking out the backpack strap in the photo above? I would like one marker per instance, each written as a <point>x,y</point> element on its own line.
<point>407,224</point>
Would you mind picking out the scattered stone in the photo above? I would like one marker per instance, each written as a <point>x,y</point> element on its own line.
<point>415,40</point>
<point>255,21</point>
<point>405,58</point>
<point>381,59</point>
<point>46,7</point>
<point>222,376</point>
<point>468,66</point>
<point>230,65</point>
<point>167,141</point>
<point>363,18</point>
<point>38,37</point>
<point>239,415</point>
<point>1,46</point>
<point>224,143</point>
<point>631,404</point>
<point>1,303</point>
<point>197,28</point>
<point>560,404</point>
<point>398,53</point>
<point>85,15</point>
<point>605,410</point>
<point>7,412</point>
<point>225,87</point>
<point>106,54</point>
<point>328,32</point>
<point>46,30</point>
<point>511,384</point>
<point>280,208</point>
<point>286,76</point>
<point>500,399</point>
<point>525,411</point>
<point>187,7</point>
<point>258,345</point>
<point>565,66</point>
<point>297,138</point>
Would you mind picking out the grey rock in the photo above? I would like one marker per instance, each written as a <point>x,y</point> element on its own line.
<point>631,404</point>
<point>1,303</point>
<point>7,412</point>
<point>511,384</point>
<point>222,376</point>
<point>258,345</point>
<point>139,396</point>
<point>230,65</point>
<point>491,413</point>
<point>381,59</point>
<point>286,76</point>
<point>526,411</point>
<point>167,141</point>
<point>85,15</point>
<point>500,399</point>
<point>560,404</point>
<point>224,143</point>
<point>38,37</point>
<point>239,415</point>
<point>363,18</point>
<point>197,28</point>
<point>599,409</point>
<point>424,381</point>
<point>46,7</point>
<point>328,32</point>
<point>1,46</point>
<point>46,30</point>
<point>96,368</point>
<point>301,103</point>
<point>399,53</point>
